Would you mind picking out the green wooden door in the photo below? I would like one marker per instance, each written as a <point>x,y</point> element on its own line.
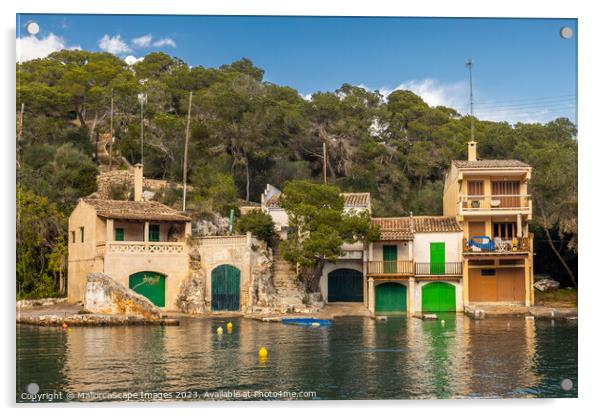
<point>390,298</point>
<point>225,288</point>
<point>438,297</point>
<point>154,232</point>
<point>345,285</point>
<point>437,258</point>
<point>151,285</point>
<point>390,259</point>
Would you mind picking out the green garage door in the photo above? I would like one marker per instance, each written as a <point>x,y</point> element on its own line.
<point>225,288</point>
<point>345,285</point>
<point>150,285</point>
<point>390,298</point>
<point>438,297</point>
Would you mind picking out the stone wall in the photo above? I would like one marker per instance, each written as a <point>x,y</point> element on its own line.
<point>125,178</point>
<point>191,294</point>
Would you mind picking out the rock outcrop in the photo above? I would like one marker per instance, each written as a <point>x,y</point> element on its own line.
<point>191,295</point>
<point>262,284</point>
<point>103,295</point>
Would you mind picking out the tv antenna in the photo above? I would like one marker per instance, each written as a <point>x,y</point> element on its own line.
<point>469,65</point>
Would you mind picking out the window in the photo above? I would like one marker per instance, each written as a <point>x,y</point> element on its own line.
<point>154,232</point>
<point>475,188</point>
<point>118,234</point>
<point>73,237</point>
<point>487,272</point>
<point>504,230</point>
<point>81,231</point>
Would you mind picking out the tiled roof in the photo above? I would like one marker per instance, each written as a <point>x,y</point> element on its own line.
<point>130,210</point>
<point>404,228</point>
<point>360,199</point>
<point>429,224</point>
<point>487,164</point>
<point>394,228</point>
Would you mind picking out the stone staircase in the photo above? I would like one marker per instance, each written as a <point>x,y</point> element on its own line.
<point>289,291</point>
<point>103,154</point>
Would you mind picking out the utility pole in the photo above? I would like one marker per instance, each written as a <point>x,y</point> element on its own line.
<point>111,139</point>
<point>142,98</point>
<point>20,135</point>
<point>96,155</point>
<point>470,64</point>
<point>185,167</point>
<point>324,162</point>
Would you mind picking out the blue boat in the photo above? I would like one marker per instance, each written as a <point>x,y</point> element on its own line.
<point>306,321</point>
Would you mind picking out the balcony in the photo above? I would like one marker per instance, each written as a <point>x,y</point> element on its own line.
<point>391,268</point>
<point>438,269</point>
<point>483,245</point>
<point>139,247</point>
<point>495,204</point>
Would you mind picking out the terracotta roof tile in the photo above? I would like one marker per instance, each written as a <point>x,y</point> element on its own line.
<point>430,224</point>
<point>394,228</point>
<point>404,228</point>
<point>357,199</point>
<point>489,164</point>
<point>131,210</point>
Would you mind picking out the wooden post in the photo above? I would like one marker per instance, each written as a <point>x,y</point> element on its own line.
<point>111,139</point>
<point>324,162</point>
<point>20,136</point>
<point>185,166</point>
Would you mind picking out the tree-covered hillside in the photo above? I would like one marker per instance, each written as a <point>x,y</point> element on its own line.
<point>246,132</point>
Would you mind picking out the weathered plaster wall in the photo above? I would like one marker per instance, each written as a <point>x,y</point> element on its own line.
<point>453,246</point>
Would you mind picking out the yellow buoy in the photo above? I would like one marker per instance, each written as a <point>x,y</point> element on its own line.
<point>220,330</point>
<point>229,326</point>
<point>315,324</point>
<point>263,353</point>
<point>70,330</point>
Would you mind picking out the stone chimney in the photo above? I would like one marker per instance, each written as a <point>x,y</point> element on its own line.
<point>138,181</point>
<point>472,151</point>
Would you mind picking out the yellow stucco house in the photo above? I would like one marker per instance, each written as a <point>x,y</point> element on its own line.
<point>134,242</point>
<point>490,199</point>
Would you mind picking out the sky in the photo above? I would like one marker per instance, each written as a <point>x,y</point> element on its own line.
<point>524,71</point>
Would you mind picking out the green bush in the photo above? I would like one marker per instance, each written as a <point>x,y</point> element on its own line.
<point>259,224</point>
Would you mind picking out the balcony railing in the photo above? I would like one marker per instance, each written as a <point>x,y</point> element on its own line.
<point>496,245</point>
<point>141,247</point>
<point>436,269</point>
<point>476,203</point>
<point>391,267</point>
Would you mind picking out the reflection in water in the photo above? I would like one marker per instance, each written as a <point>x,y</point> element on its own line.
<point>354,358</point>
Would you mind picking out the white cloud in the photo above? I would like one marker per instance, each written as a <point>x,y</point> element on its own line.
<point>434,93</point>
<point>165,42</point>
<point>31,47</point>
<point>131,60</point>
<point>113,44</point>
<point>143,41</point>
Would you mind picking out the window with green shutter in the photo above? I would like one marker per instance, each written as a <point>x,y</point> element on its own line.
<point>118,234</point>
<point>154,232</point>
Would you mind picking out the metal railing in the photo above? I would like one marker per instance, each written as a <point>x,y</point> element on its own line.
<point>495,202</point>
<point>435,269</point>
<point>495,245</point>
<point>393,267</point>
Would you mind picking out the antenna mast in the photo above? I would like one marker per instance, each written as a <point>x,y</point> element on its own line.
<point>469,65</point>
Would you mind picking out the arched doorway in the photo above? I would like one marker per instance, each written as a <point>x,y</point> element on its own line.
<point>345,285</point>
<point>390,297</point>
<point>438,297</point>
<point>225,288</point>
<point>151,285</point>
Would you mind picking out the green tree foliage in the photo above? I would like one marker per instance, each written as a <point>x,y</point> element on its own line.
<point>319,227</point>
<point>246,132</point>
<point>41,246</point>
<point>259,224</point>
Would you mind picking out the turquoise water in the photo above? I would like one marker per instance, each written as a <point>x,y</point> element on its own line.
<point>354,358</point>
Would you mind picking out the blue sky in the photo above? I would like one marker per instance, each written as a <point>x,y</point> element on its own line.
<point>524,70</point>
